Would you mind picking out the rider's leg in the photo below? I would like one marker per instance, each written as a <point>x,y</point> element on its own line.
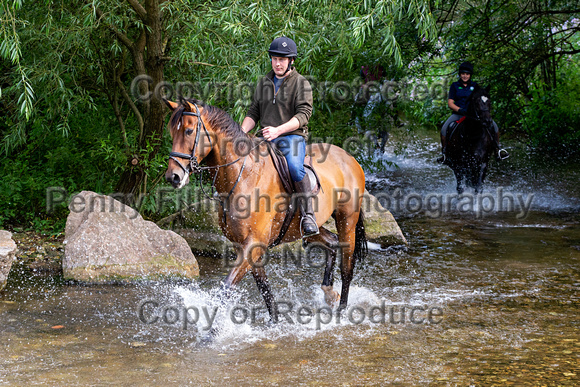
<point>444,128</point>
<point>443,148</point>
<point>294,149</point>
<point>501,153</point>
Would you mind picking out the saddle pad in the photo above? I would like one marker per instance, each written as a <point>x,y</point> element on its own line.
<point>281,166</point>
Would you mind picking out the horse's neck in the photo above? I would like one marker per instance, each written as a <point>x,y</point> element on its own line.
<point>229,165</point>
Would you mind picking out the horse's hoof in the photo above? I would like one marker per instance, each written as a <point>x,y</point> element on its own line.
<point>331,297</point>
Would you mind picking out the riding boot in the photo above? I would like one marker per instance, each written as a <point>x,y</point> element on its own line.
<point>502,154</point>
<point>308,225</point>
<point>443,150</point>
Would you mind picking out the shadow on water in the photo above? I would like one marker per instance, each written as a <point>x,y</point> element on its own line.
<point>481,296</point>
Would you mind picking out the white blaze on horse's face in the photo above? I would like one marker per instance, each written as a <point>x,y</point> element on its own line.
<point>484,98</point>
<point>184,181</point>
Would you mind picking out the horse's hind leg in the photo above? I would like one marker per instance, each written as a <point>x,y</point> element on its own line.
<point>330,242</point>
<point>384,136</point>
<point>346,225</point>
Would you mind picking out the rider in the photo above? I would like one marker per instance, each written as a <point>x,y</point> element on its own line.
<point>459,93</point>
<point>282,103</point>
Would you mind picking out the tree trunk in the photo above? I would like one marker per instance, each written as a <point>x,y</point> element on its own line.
<point>147,55</point>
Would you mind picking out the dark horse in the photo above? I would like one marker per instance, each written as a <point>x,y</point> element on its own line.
<point>244,176</point>
<point>471,143</point>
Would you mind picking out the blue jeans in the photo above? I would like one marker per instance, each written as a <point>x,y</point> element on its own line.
<point>293,147</point>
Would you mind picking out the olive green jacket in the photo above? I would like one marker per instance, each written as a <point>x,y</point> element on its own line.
<point>294,99</point>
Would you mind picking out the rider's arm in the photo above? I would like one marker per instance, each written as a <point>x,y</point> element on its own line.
<point>451,98</point>
<point>272,132</point>
<point>254,111</point>
<point>303,103</point>
<point>452,105</point>
<point>248,124</point>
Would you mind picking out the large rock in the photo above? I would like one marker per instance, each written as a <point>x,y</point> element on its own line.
<point>380,225</point>
<point>7,251</point>
<point>199,225</point>
<point>108,241</point>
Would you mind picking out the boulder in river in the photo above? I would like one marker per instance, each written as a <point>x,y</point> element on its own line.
<point>106,240</point>
<point>7,251</point>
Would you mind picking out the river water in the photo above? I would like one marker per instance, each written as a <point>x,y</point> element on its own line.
<point>486,293</point>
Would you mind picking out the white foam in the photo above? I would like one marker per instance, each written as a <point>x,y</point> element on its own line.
<point>231,331</point>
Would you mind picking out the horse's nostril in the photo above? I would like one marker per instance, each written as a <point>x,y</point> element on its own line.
<point>173,179</point>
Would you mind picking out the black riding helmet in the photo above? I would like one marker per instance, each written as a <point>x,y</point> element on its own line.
<point>283,47</point>
<point>466,67</point>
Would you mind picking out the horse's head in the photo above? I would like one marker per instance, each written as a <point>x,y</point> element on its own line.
<point>480,104</point>
<point>192,141</point>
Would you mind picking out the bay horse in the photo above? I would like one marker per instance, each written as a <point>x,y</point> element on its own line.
<point>471,143</point>
<point>243,175</point>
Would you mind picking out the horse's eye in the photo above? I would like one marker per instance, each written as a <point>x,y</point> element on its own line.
<point>189,132</point>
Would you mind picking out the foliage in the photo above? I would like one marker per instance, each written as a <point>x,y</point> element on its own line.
<point>11,50</point>
<point>85,161</point>
<point>515,45</point>
<point>71,116</point>
<point>552,117</point>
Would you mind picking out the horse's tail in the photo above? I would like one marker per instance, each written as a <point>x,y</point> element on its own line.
<point>361,247</point>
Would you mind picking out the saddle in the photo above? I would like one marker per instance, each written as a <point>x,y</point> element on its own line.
<point>281,166</point>
<point>454,125</point>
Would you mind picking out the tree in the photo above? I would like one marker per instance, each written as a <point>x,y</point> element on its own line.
<point>513,43</point>
<point>79,53</point>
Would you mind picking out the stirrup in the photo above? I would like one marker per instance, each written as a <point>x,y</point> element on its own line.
<point>442,159</point>
<point>303,218</point>
<point>502,154</point>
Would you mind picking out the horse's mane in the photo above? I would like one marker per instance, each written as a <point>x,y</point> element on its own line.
<point>478,91</point>
<point>217,118</point>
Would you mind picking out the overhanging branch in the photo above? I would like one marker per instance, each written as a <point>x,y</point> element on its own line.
<point>139,9</point>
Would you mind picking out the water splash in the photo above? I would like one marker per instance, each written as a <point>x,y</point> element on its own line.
<point>303,315</point>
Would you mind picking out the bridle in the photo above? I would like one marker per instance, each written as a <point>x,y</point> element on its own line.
<point>193,165</point>
<point>478,119</point>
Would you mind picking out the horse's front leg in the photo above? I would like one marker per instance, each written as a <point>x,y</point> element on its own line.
<point>241,267</point>
<point>459,178</point>
<point>250,259</point>
<point>480,177</point>
<point>262,281</point>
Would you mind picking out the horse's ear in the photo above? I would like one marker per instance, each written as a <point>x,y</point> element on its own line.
<point>487,89</point>
<point>185,104</point>
<point>170,105</point>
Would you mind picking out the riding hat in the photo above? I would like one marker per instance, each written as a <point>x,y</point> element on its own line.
<point>283,47</point>
<point>466,67</point>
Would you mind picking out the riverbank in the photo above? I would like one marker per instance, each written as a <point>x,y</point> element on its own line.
<point>40,253</point>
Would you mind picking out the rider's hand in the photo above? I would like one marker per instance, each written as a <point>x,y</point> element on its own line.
<point>270,132</point>
<point>462,112</point>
